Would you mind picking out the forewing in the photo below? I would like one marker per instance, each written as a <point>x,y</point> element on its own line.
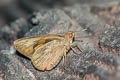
<point>26,46</point>
<point>48,56</point>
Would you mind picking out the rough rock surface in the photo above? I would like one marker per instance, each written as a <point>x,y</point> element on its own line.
<point>100,42</point>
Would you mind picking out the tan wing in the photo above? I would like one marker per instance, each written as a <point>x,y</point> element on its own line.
<point>26,46</point>
<point>48,56</point>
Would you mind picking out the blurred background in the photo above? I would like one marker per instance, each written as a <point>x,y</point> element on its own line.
<point>11,10</point>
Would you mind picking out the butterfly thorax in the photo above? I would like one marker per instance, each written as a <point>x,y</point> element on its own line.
<point>68,40</point>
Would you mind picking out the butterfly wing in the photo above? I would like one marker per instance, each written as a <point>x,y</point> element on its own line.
<point>48,56</point>
<point>27,45</point>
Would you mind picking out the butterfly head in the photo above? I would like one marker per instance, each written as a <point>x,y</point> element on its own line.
<point>69,35</point>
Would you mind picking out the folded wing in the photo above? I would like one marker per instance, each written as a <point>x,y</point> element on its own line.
<point>48,56</point>
<point>27,45</point>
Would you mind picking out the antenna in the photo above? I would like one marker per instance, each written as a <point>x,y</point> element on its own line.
<point>73,31</point>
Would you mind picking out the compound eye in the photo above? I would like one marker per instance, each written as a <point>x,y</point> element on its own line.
<point>70,35</point>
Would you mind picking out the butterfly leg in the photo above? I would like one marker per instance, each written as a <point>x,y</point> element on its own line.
<point>63,60</point>
<point>76,44</point>
<point>74,50</point>
<point>64,56</point>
